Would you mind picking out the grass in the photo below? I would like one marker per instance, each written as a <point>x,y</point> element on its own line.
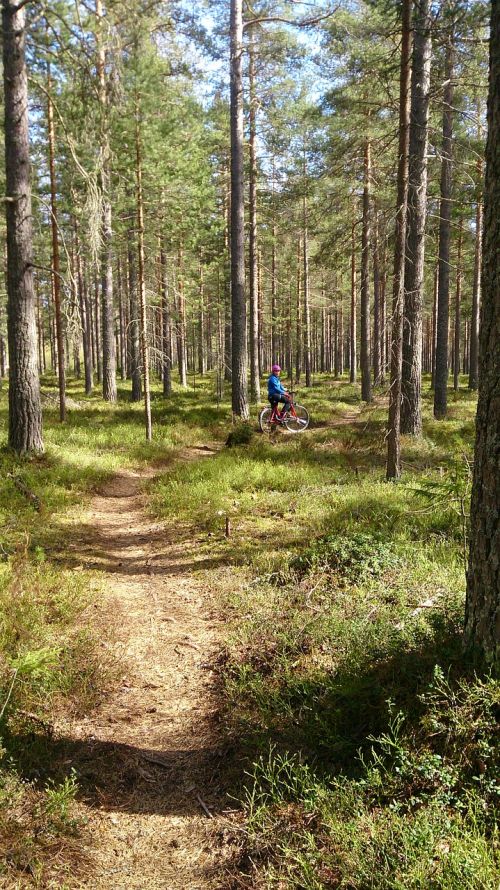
<point>367,741</point>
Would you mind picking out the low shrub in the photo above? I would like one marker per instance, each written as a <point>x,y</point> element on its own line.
<point>351,558</point>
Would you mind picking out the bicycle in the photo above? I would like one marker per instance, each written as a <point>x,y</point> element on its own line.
<point>295,420</point>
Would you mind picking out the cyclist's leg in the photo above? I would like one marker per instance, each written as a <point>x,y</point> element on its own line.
<point>275,412</point>
<point>286,407</point>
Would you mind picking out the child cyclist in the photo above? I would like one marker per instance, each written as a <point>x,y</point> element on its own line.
<point>277,393</point>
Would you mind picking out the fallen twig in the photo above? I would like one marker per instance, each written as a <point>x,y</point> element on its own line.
<point>204,806</point>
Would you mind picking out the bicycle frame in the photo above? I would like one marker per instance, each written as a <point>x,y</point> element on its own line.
<point>274,412</point>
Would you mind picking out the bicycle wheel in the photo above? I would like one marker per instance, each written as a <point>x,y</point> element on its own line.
<point>265,420</point>
<point>298,422</point>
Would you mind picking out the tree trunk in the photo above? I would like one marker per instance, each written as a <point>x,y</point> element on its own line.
<point>122,351</point>
<point>181,322</point>
<point>202,356</point>
<point>253,248</point>
<point>482,612</point>
<point>238,302</point>
<point>85,318</point>
<point>307,308</point>
<point>411,386</point>
<point>134,326</point>
<point>393,432</point>
<point>298,330</point>
<point>366,383</point>
<point>458,297</point>
<point>434,324</point>
<point>56,270</point>
<point>108,325</point>
<point>441,372</point>
<point>142,280</point>
<point>353,359</point>
<point>25,411</point>
<point>274,302</point>
<point>476,290</point>
<point>377,293</point>
<point>339,345</point>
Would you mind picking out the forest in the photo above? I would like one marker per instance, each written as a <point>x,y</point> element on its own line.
<point>250,445</point>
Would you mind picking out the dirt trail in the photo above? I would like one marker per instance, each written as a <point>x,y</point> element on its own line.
<point>149,749</point>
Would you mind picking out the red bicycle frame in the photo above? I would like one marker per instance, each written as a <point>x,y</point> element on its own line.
<point>274,413</point>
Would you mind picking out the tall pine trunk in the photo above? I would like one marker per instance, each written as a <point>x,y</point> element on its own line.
<point>253,248</point>
<point>476,289</point>
<point>377,294</point>
<point>354,299</point>
<point>307,306</point>
<point>366,383</point>
<point>239,398</point>
<point>108,325</point>
<point>411,385</point>
<point>134,325</point>
<point>443,308</point>
<point>85,314</point>
<point>25,410</point>
<point>56,268</point>
<point>482,612</point>
<point>142,280</point>
<point>298,317</point>
<point>394,426</point>
<point>181,321</point>
<point>458,300</point>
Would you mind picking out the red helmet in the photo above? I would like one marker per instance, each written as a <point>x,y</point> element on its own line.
<point>276,368</point>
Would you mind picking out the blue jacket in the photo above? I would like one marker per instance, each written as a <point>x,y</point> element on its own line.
<point>275,387</point>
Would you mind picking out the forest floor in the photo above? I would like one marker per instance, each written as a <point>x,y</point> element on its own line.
<point>284,707</point>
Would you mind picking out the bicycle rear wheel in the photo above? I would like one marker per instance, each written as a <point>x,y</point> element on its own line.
<point>298,422</point>
<point>265,420</point>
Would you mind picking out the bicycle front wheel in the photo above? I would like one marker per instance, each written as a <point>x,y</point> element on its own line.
<point>298,421</point>
<point>265,420</point>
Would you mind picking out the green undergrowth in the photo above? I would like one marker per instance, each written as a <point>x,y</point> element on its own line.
<point>369,742</point>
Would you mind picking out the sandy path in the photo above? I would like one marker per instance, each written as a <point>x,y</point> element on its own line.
<point>147,755</point>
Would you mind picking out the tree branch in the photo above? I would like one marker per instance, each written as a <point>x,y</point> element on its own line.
<point>301,23</point>
<point>19,5</point>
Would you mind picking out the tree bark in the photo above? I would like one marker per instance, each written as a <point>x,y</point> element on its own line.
<point>274,302</point>
<point>298,319</point>
<point>253,233</point>
<point>56,269</point>
<point>476,290</point>
<point>443,311</point>
<point>458,299</point>
<point>181,321</point>
<point>25,411</point>
<point>85,317</point>
<point>307,307</point>
<point>353,360</point>
<point>366,383</point>
<point>202,356</point>
<point>377,294</point>
<point>393,433</point>
<point>411,385</point>
<point>482,612</point>
<point>142,280</point>
<point>108,325</point>
<point>134,325</point>
<point>239,387</point>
